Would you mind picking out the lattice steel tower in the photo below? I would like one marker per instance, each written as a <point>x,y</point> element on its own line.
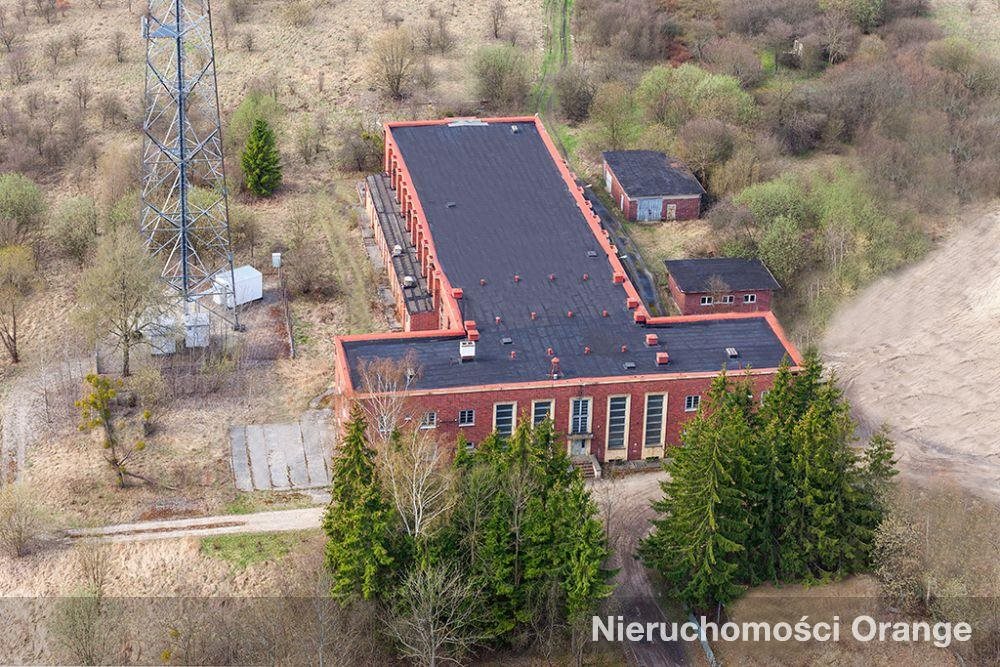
<point>185,217</point>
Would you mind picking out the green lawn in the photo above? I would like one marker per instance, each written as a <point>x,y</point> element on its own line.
<point>242,550</point>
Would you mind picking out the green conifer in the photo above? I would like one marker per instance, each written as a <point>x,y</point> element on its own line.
<point>260,160</point>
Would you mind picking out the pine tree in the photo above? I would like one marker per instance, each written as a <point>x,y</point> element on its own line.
<point>697,543</point>
<point>359,522</point>
<point>260,160</point>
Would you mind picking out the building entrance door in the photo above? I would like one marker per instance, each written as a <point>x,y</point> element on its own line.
<point>579,446</point>
<point>649,209</point>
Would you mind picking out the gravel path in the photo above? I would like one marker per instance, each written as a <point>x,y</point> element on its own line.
<point>24,411</point>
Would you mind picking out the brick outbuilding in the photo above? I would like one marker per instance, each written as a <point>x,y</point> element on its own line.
<point>534,314</point>
<point>649,186</point>
<point>720,285</point>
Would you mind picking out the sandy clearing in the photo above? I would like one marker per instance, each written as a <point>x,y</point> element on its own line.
<point>918,351</point>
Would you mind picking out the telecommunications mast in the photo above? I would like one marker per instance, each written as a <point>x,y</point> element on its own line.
<point>185,218</point>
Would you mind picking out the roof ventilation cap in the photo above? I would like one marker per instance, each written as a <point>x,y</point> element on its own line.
<point>629,365</point>
<point>451,204</point>
<point>397,250</point>
<point>591,253</point>
<point>515,129</point>
<point>732,352</point>
<point>409,281</point>
<point>467,350</point>
<point>506,340</point>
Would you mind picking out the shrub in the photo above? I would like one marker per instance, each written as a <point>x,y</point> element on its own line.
<point>783,197</point>
<point>501,76</point>
<point>575,92</point>
<point>393,63</point>
<point>20,520</point>
<point>736,58</point>
<point>615,118</point>
<point>74,227</point>
<point>782,249</point>
<point>21,208</point>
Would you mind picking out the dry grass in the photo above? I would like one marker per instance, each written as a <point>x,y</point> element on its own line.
<point>975,20</point>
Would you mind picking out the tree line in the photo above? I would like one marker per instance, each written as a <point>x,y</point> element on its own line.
<point>771,494</point>
<point>500,548</point>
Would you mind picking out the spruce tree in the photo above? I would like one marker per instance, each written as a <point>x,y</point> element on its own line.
<point>697,542</point>
<point>359,522</point>
<point>260,160</point>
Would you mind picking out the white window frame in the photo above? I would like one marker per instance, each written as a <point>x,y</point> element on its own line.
<point>688,402</point>
<point>607,424</point>
<point>432,422</point>
<point>763,395</point>
<point>645,420</point>
<point>749,298</point>
<point>513,416</point>
<point>469,423</point>
<point>707,301</point>
<point>552,409</point>
<point>384,427</point>
<point>590,415</point>
<point>728,299</point>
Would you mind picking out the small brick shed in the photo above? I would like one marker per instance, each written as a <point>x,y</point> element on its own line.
<point>649,186</point>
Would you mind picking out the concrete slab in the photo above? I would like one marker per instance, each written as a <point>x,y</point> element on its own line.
<point>257,449</point>
<point>316,443</point>
<point>277,436</point>
<point>241,461</point>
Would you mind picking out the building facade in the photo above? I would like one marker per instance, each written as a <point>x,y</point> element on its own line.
<point>648,186</point>
<point>516,307</point>
<point>720,285</point>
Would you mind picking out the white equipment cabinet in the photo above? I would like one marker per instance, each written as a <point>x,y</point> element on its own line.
<point>249,286</point>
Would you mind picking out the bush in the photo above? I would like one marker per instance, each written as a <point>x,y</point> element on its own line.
<point>501,77</point>
<point>257,105</point>
<point>782,249</point>
<point>575,92</point>
<point>783,197</point>
<point>736,58</point>
<point>21,208</point>
<point>674,95</point>
<point>393,63</point>
<point>361,150</point>
<point>73,229</point>
<point>704,144</point>
<point>298,14</point>
<point>20,520</point>
<point>614,116</point>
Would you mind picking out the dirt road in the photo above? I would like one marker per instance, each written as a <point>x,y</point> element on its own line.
<point>635,598</point>
<point>918,350</point>
<point>259,522</point>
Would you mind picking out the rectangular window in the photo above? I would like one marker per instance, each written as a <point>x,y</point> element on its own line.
<point>691,403</point>
<point>429,420</point>
<point>727,299</point>
<point>503,418</point>
<point>617,421</point>
<point>540,411</point>
<point>749,298</point>
<point>706,301</point>
<point>654,420</point>
<point>764,394</point>
<point>466,417</point>
<point>579,416</point>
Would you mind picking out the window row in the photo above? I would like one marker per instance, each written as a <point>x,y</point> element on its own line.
<point>727,299</point>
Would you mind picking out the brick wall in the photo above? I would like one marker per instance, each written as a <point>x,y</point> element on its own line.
<point>690,304</point>
<point>688,208</point>
<point>448,405</point>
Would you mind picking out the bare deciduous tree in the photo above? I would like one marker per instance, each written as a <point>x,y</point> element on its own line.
<point>53,50</point>
<point>415,470</point>
<point>118,46</point>
<point>393,63</point>
<point>387,381</point>
<point>83,91</point>
<point>75,41</point>
<point>247,41</point>
<point>18,66</point>
<point>8,30</point>
<point>17,275</point>
<point>119,291</point>
<point>498,18</point>
<point>435,615</point>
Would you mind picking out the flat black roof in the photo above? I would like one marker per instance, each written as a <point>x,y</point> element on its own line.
<point>652,174</point>
<point>695,275</point>
<point>498,206</point>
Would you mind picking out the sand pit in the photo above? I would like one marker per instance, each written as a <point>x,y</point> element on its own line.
<point>920,351</point>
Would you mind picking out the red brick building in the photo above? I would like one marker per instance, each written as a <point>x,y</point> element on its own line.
<point>485,231</point>
<point>650,186</point>
<point>720,285</point>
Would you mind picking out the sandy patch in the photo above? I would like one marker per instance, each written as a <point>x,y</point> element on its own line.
<point>918,351</point>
